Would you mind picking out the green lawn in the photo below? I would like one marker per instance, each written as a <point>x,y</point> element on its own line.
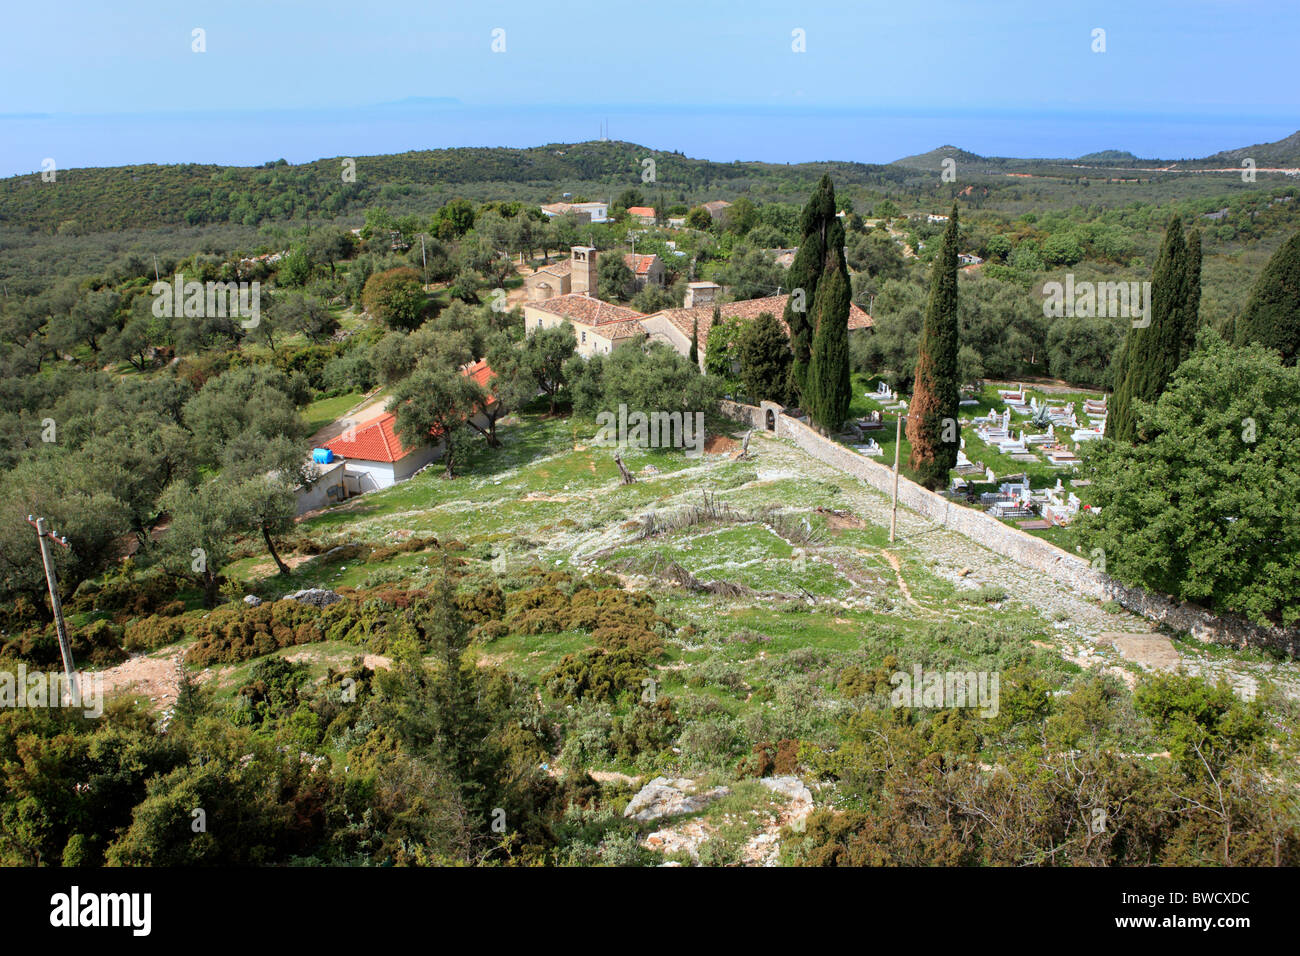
<point>320,413</point>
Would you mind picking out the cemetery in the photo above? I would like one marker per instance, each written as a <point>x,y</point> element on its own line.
<point>1018,454</point>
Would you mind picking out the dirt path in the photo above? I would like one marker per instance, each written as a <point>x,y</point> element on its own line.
<point>898,574</point>
<point>154,677</point>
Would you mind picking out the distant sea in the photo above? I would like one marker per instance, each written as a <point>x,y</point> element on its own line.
<point>250,137</point>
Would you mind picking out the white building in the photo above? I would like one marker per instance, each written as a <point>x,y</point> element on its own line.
<point>593,211</point>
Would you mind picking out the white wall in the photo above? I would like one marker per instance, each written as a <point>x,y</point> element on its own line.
<point>318,494</point>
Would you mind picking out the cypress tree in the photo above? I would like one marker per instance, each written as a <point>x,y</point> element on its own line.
<point>828,392</point>
<point>1152,353</point>
<point>1272,313</point>
<point>805,271</point>
<point>932,415</point>
<point>695,343</point>
<point>1192,309</point>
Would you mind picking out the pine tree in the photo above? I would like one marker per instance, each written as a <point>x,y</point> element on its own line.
<point>1152,352</point>
<point>695,343</point>
<point>828,390</point>
<point>932,416</point>
<point>1272,313</point>
<point>805,272</point>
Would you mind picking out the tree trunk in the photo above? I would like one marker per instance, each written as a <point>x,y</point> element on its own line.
<point>628,477</point>
<point>209,589</point>
<point>270,546</point>
<point>489,434</point>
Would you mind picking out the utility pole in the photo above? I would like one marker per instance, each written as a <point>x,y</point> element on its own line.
<point>45,536</point>
<point>898,445</point>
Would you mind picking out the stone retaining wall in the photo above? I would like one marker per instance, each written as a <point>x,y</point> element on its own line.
<point>1023,548</point>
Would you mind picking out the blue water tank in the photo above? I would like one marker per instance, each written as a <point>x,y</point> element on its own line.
<point>322,456</point>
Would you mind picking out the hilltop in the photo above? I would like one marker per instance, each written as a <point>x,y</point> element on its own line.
<point>1284,152</point>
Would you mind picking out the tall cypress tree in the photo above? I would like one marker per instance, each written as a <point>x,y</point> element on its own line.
<point>828,393</point>
<point>1272,313</point>
<point>695,343</point>
<point>1192,310</point>
<point>805,272</point>
<point>932,416</point>
<point>1152,353</point>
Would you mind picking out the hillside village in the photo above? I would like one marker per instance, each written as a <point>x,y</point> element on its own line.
<point>915,557</point>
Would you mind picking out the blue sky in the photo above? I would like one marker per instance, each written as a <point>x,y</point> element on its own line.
<point>1006,77</point>
<point>1202,55</point>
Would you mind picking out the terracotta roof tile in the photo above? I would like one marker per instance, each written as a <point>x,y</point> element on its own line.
<point>684,319</point>
<point>562,268</point>
<point>639,264</point>
<point>585,309</point>
<point>377,441</point>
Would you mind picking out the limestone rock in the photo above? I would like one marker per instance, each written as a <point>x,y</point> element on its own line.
<point>792,788</point>
<point>664,796</point>
<point>317,597</point>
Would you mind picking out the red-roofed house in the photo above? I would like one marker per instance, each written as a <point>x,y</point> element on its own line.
<point>643,214</point>
<point>374,457</point>
<point>598,326</point>
<point>646,270</point>
<point>676,326</point>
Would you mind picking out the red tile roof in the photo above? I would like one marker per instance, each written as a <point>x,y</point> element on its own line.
<point>684,319</point>
<point>585,309</point>
<point>562,268</point>
<point>479,371</point>
<point>641,211</point>
<point>377,441</point>
<point>639,265</point>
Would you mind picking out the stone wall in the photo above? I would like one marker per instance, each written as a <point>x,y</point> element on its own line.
<point>1023,548</point>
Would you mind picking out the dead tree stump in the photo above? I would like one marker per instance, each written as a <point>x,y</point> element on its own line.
<point>628,477</point>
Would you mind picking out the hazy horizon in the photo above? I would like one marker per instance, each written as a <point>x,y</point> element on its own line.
<point>250,137</point>
<point>243,83</point>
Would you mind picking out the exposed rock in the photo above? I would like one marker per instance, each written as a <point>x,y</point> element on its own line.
<point>317,597</point>
<point>1152,651</point>
<point>792,788</point>
<point>664,796</point>
<point>252,600</point>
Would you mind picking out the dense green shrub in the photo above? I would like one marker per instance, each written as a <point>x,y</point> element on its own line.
<point>596,674</point>
<point>153,632</point>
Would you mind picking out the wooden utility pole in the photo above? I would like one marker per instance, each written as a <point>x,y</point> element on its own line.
<point>45,536</point>
<point>898,445</point>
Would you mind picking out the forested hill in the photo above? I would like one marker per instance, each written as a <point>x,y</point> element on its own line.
<point>1285,152</point>
<point>101,199</point>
